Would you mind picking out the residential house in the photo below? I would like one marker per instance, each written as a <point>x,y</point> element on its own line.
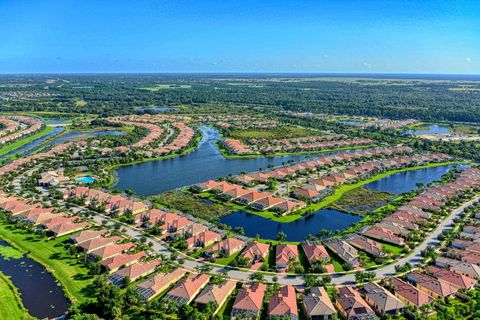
<point>185,290</point>
<point>317,304</point>
<point>152,287</point>
<point>249,300</point>
<point>381,300</point>
<point>216,293</point>
<point>283,304</point>
<point>352,306</point>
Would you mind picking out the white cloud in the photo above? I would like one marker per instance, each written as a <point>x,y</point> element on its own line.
<point>368,65</point>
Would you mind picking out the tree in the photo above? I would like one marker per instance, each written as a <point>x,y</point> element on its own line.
<point>281,236</point>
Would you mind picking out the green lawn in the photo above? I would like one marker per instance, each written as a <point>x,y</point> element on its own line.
<point>71,273</point>
<point>228,260</point>
<point>11,306</point>
<point>21,142</point>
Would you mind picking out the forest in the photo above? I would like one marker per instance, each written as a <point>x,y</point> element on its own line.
<point>428,98</point>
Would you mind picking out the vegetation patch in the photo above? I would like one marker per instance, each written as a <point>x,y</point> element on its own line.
<point>277,133</point>
<point>17,144</point>
<point>191,204</point>
<point>361,201</point>
<point>8,252</point>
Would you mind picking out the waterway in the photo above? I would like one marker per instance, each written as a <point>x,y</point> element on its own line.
<point>327,219</point>
<point>202,164</point>
<point>40,294</point>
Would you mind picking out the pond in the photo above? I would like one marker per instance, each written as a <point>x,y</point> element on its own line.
<point>327,219</point>
<point>158,109</point>
<point>38,288</point>
<point>430,129</point>
<point>204,163</point>
<point>407,181</point>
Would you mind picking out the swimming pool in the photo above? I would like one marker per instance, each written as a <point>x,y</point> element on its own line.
<point>85,179</point>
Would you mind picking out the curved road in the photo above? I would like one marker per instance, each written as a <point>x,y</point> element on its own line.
<point>298,280</point>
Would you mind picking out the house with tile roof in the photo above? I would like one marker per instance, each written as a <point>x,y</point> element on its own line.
<point>410,294</point>
<point>317,304</point>
<point>284,254</point>
<point>99,242</point>
<point>267,203</point>
<point>363,243</point>
<point>352,306</point>
<point>381,300</point>
<point>283,304</point>
<point>256,252</point>
<point>133,272</point>
<point>216,293</point>
<point>186,290</point>
<point>249,301</point>
<point>114,263</point>
<point>151,288</point>
<point>458,280</point>
<point>203,239</point>
<point>87,235</point>
<point>468,269</point>
<point>226,247</point>
<point>434,287</point>
<point>67,228</point>
<point>251,197</point>
<point>345,251</point>
<point>111,250</point>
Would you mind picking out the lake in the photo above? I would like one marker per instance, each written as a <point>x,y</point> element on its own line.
<point>401,182</point>
<point>204,163</point>
<point>430,129</point>
<point>25,149</point>
<point>38,288</point>
<point>297,230</point>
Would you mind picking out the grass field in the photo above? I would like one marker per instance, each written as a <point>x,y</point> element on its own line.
<point>167,86</point>
<point>21,142</point>
<point>11,306</point>
<point>72,274</point>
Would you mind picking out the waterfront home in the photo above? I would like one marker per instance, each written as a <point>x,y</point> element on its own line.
<point>133,272</point>
<point>383,234</point>
<point>223,187</point>
<point>315,252</point>
<point>256,252</point>
<point>467,269</point>
<point>158,283</point>
<point>251,197</point>
<point>352,306</point>
<point>381,300</point>
<point>305,193</point>
<point>227,247</point>
<point>267,203</point>
<point>216,293</point>
<point>249,300</point>
<point>87,235</point>
<point>124,259</point>
<point>317,304</point>
<point>96,243</point>
<point>434,287</point>
<point>234,193</point>
<point>283,304</point>
<point>458,280</point>
<point>363,243</point>
<point>185,290</point>
<point>345,251</point>
<point>245,179</point>
<point>67,228</point>
<point>111,250</point>
<point>205,186</point>
<point>285,254</point>
<point>203,239</point>
<point>149,218</point>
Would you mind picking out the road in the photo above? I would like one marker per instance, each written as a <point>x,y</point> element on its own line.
<point>298,280</point>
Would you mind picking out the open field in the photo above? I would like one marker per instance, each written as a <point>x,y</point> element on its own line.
<point>72,274</point>
<point>278,133</point>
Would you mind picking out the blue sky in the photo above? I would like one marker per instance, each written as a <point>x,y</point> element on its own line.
<point>240,36</point>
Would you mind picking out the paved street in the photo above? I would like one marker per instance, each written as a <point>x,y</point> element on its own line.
<point>298,280</point>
